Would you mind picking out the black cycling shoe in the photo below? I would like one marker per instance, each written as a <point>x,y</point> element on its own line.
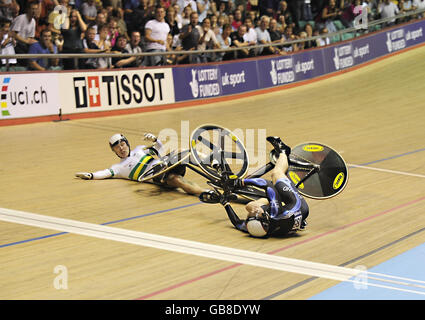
<point>210,196</point>
<point>278,145</point>
<point>303,225</point>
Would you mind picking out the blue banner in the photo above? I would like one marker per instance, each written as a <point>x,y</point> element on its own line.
<point>233,77</point>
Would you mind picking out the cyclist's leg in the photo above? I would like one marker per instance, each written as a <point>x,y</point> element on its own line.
<point>280,168</point>
<point>177,181</point>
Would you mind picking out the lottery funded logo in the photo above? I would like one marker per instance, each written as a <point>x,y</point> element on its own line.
<point>205,83</point>
<point>343,57</point>
<point>282,71</point>
<point>395,40</point>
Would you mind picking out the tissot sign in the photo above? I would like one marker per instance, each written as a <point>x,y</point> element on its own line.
<point>106,91</point>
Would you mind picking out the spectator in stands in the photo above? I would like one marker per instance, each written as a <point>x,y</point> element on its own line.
<point>221,21</point>
<point>92,46</point>
<point>129,6</point>
<point>214,24</point>
<point>302,45</point>
<point>54,19</point>
<point>207,41</point>
<point>329,14</point>
<point>372,9</point>
<point>178,15</point>
<point>137,17</point>
<point>120,45</point>
<point>203,7</point>
<point>230,18</point>
<point>156,34</point>
<point>225,42</point>
<point>7,42</point>
<point>296,8</point>
<point>44,46</point>
<point>251,35</point>
<point>9,9</point>
<point>324,40</point>
<point>189,36</point>
<point>223,9</point>
<point>419,4</point>
<point>275,35</point>
<point>388,9</point>
<point>113,31</point>
<point>290,36</point>
<point>72,38</point>
<point>253,5</point>
<point>23,29</point>
<point>268,7</point>
<point>165,3</point>
<point>263,36</point>
<point>242,4</point>
<point>351,11</point>
<point>184,3</point>
<point>172,21</point>
<point>97,23</point>
<point>281,22</point>
<point>308,29</point>
<point>307,11</point>
<point>114,4</point>
<point>132,47</point>
<point>186,15</point>
<point>406,6</point>
<point>45,8</point>
<point>89,11</point>
<point>239,42</point>
<point>237,20</point>
<point>253,15</point>
<point>118,16</point>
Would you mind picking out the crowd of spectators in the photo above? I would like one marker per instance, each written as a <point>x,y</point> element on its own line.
<point>134,26</point>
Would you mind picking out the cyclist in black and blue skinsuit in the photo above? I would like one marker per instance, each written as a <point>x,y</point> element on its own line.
<point>284,211</point>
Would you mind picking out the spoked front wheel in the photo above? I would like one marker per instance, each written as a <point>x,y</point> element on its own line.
<point>216,150</point>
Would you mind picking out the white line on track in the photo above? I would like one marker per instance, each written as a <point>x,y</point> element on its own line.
<point>196,248</point>
<point>388,171</point>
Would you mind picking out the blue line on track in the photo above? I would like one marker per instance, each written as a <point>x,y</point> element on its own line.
<point>393,157</point>
<point>181,207</point>
<point>152,213</point>
<point>32,239</point>
<point>106,223</point>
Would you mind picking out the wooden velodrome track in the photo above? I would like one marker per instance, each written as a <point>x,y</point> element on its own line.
<point>373,115</point>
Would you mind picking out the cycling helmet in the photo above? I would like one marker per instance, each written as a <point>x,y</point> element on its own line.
<point>117,138</point>
<point>258,226</point>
